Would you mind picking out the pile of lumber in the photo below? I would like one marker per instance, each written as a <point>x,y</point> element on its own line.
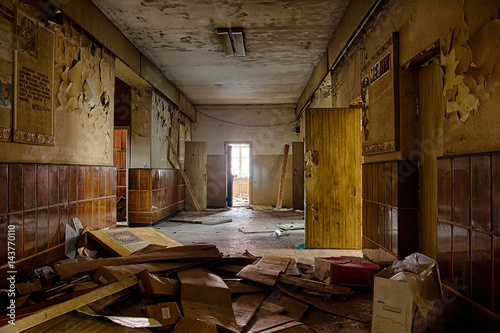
<point>176,288</point>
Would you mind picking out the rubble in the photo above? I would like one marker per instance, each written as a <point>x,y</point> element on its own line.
<point>177,288</point>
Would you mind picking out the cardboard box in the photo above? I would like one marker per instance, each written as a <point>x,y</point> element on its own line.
<point>393,305</point>
<point>152,285</point>
<point>344,270</point>
<point>166,313</point>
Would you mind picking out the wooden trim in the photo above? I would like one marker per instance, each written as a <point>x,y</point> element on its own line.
<point>279,202</point>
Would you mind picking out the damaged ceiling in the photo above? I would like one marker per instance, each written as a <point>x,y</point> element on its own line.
<point>284,41</point>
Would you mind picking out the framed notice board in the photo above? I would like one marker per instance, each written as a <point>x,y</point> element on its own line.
<point>380,95</point>
<point>34,81</point>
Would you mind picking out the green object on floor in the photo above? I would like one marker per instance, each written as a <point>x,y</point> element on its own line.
<point>300,246</point>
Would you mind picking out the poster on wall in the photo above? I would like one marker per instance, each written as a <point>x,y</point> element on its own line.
<point>33,81</point>
<point>380,96</point>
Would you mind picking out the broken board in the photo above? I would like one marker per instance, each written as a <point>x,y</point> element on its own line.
<point>125,241</point>
<point>209,220</point>
<point>291,226</point>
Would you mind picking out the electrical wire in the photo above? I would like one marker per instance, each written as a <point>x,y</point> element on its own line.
<point>233,123</point>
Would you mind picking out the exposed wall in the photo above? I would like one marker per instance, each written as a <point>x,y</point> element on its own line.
<point>267,127</point>
<point>140,150</point>
<point>83,104</point>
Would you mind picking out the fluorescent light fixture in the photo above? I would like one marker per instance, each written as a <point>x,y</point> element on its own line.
<point>239,42</point>
<point>225,40</point>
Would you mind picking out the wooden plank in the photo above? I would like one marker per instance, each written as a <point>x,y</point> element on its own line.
<point>245,306</point>
<point>333,179</point>
<point>82,324</point>
<point>265,320</point>
<point>293,308</point>
<point>339,292</point>
<point>298,175</point>
<point>196,171</point>
<point>430,97</point>
<point>359,309</point>
<point>188,185</point>
<point>51,312</point>
<point>282,179</point>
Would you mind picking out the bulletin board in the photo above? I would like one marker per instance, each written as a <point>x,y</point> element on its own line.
<point>34,81</point>
<point>380,96</point>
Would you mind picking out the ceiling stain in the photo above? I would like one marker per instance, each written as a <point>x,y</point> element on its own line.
<point>282,40</point>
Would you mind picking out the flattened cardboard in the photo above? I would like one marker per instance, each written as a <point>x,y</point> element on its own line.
<point>205,296</point>
<point>166,313</point>
<point>265,320</point>
<point>293,308</point>
<point>131,322</point>
<point>359,310</point>
<point>266,270</point>
<point>125,241</point>
<point>245,287</point>
<point>192,325</point>
<point>197,251</point>
<point>245,306</point>
<point>152,285</point>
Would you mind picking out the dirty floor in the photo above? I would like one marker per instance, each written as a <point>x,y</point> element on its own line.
<point>254,231</point>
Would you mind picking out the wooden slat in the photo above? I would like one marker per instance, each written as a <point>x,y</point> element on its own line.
<point>298,174</point>
<point>279,202</point>
<point>340,292</point>
<point>188,185</point>
<point>196,171</point>
<point>333,191</point>
<point>70,305</point>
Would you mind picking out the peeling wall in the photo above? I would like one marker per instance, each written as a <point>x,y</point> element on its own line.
<point>468,32</point>
<point>267,127</point>
<point>140,140</point>
<point>83,103</point>
<point>161,120</point>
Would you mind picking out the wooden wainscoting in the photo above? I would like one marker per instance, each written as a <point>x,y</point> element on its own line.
<point>390,210</point>
<point>468,226</point>
<point>154,194</point>
<point>38,200</point>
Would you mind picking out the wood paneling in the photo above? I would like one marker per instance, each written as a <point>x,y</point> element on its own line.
<point>481,192</point>
<point>196,172</point>
<point>333,185</point>
<point>444,237</point>
<point>444,191</point>
<point>4,189</point>
<point>475,189</point>
<point>147,206</point>
<point>42,198</point>
<point>298,175</point>
<point>390,219</point>
<point>461,190</point>
<point>15,188</point>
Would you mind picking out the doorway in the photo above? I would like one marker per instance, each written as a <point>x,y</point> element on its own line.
<point>120,158</point>
<point>238,169</point>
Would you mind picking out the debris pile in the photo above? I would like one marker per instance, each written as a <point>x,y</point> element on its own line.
<point>175,288</point>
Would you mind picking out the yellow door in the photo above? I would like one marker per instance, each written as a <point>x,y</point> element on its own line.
<point>333,179</point>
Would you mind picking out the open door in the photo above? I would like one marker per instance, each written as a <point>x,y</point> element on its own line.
<point>196,172</point>
<point>333,179</point>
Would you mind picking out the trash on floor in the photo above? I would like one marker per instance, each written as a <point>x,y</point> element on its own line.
<point>210,220</point>
<point>407,296</point>
<point>174,288</point>
<point>344,270</point>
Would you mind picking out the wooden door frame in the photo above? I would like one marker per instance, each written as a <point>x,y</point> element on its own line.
<point>229,182</point>
<point>128,162</point>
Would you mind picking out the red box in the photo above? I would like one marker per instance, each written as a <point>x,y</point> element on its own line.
<point>344,270</point>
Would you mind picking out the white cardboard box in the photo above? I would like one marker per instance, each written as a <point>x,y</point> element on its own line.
<point>393,305</point>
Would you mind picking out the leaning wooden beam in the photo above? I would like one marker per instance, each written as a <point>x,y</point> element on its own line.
<point>56,310</point>
<point>188,185</point>
<point>282,178</point>
<point>339,292</point>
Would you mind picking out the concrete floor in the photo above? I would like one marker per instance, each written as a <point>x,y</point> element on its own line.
<point>229,238</point>
<point>259,239</point>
